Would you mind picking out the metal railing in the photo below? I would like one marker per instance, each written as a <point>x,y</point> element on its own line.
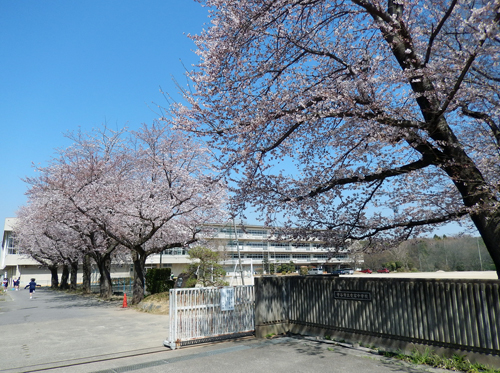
<point>119,286</point>
<point>207,314</point>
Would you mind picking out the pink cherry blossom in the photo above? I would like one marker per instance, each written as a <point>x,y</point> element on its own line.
<point>145,191</point>
<point>358,119</point>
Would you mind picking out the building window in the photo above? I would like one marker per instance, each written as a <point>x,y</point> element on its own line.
<point>255,256</point>
<point>340,256</point>
<point>255,244</point>
<point>11,244</point>
<point>281,256</point>
<point>175,251</point>
<point>280,244</point>
<point>230,232</point>
<point>300,244</point>
<point>257,232</point>
<point>300,256</point>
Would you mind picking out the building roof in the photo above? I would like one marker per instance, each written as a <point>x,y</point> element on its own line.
<point>9,224</point>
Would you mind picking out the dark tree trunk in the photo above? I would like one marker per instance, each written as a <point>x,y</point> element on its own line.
<point>87,269</point>
<point>104,264</point>
<point>64,277</point>
<point>74,275</point>
<point>485,214</point>
<point>139,258</point>
<point>54,281</point>
<point>488,226</point>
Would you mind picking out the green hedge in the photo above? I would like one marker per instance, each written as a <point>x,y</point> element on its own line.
<point>158,280</point>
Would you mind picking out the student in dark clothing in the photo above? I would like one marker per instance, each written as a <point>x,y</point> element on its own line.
<point>32,285</point>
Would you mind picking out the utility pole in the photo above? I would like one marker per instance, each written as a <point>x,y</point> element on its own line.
<point>479,252</point>
<point>239,254</point>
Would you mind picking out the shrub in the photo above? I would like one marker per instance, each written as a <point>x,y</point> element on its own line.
<point>158,280</point>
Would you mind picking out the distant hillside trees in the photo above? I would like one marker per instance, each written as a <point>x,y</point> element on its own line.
<point>433,254</point>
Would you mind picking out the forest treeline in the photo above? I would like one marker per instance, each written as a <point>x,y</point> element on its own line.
<point>463,253</point>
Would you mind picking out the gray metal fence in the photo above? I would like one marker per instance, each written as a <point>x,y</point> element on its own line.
<point>206,314</point>
<point>119,286</point>
<point>456,314</point>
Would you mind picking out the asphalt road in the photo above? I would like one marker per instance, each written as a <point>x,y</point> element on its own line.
<point>55,326</point>
<point>57,332</point>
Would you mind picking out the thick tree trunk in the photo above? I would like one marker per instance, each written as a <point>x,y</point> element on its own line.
<point>104,265</point>
<point>54,281</point>
<point>87,269</point>
<point>474,190</point>
<point>74,275</point>
<point>64,277</point>
<point>139,258</point>
<point>488,226</point>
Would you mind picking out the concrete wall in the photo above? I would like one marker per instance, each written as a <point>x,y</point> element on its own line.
<point>397,314</point>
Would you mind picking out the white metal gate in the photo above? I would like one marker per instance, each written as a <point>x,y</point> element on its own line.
<point>208,314</point>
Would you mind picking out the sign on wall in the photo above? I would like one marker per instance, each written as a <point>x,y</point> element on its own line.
<point>227,299</point>
<point>352,295</point>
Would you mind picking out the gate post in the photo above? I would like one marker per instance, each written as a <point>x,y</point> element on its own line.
<point>172,315</point>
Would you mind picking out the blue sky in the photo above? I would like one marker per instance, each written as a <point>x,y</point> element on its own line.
<point>70,64</point>
<point>82,63</point>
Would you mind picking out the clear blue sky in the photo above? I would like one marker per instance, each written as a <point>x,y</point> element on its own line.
<point>80,63</point>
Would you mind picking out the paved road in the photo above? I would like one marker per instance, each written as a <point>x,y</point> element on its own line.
<point>57,332</point>
<point>55,326</point>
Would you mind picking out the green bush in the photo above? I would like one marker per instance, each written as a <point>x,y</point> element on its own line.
<point>286,268</point>
<point>158,280</point>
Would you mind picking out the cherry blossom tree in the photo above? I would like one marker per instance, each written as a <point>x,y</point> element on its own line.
<point>42,239</point>
<point>50,214</point>
<point>146,191</point>
<point>356,119</point>
<point>99,247</point>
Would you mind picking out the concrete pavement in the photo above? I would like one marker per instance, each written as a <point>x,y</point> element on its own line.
<point>56,326</point>
<point>58,332</point>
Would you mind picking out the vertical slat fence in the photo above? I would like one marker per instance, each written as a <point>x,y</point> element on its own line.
<point>196,315</point>
<point>458,314</point>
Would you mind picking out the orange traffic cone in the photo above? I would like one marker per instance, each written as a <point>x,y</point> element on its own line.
<point>124,300</point>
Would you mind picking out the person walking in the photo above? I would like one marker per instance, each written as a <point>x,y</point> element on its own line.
<point>32,285</point>
<point>5,283</point>
<point>16,283</point>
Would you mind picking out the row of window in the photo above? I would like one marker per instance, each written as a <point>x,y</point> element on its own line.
<point>289,257</point>
<point>262,244</point>
<point>253,232</point>
<point>175,251</point>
